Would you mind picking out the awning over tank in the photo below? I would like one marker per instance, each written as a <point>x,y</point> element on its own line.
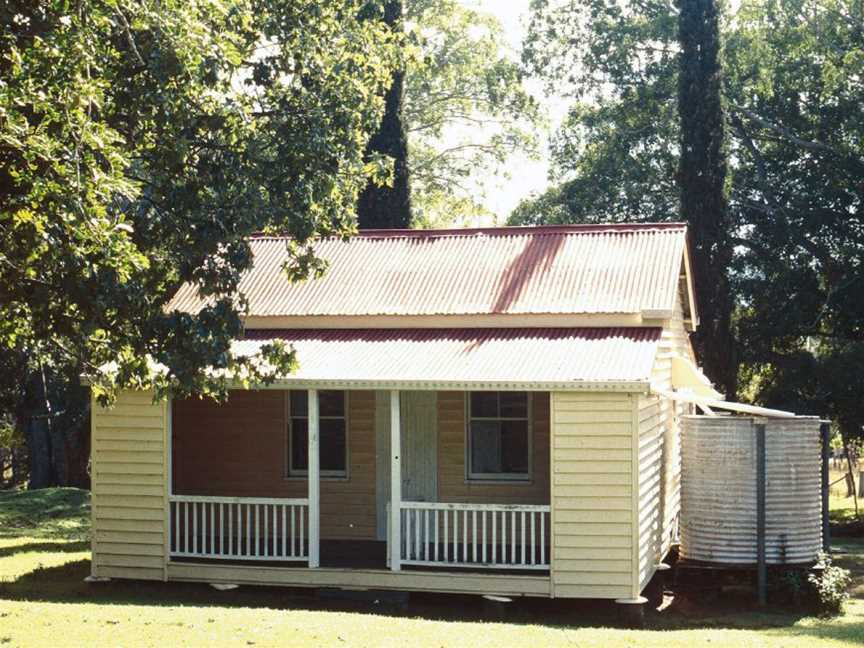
<point>688,377</point>
<point>535,358</point>
<point>690,385</point>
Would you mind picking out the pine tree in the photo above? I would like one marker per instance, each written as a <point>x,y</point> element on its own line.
<point>702,185</point>
<point>382,206</point>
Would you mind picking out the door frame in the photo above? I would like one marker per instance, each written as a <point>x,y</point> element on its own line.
<point>382,451</point>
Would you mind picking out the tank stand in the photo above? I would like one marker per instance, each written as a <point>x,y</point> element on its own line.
<point>656,587</point>
<point>631,611</point>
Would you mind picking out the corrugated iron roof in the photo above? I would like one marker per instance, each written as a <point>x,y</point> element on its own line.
<point>467,356</point>
<point>507,270</point>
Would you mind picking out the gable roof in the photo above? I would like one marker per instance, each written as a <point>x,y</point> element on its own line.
<point>574,269</point>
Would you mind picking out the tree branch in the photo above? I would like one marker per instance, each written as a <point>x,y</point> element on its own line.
<point>787,134</point>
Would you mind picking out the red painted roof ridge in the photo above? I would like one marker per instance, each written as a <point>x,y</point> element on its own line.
<point>506,230</point>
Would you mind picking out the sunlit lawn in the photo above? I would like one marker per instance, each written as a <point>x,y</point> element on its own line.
<point>44,602</point>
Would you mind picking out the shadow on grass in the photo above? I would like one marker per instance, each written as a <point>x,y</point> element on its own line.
<point>48,547</point>
<point>64,584</point>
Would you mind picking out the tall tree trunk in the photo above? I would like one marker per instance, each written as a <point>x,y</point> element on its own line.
<point>19,466</point>
<point>35,417</point>
<point>76,440</point>
<point>39,452</point>
<point>385,206</point>
<point>702,184</point>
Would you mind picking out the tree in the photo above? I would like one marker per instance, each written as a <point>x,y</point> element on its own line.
<point>702,183</point>
<point>466,109</point>
<point>388,205</point>
<point>639,129</point>
<point>615,157</point>
<point>141,143</point>
<point>456,114</point>
<point>797,115</point>
<point>793,89</point>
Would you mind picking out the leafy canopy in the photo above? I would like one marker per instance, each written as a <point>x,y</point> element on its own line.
<point>142,142</point>
<point>466,109</point>
<point>615,157</point>
<point>794,93</point>
<point>796,101</point>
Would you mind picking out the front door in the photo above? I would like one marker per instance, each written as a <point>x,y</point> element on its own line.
<point>419,446</point>
<point>419,421</point>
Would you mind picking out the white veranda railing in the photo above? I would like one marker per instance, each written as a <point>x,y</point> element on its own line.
<point>239,528</point>
<point>493,536</point>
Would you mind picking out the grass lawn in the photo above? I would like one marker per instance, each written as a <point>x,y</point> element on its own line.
<point>44,602</point>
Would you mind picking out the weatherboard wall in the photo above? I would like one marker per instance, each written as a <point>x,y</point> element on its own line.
<point>674,341</point>
<point>592,495</point>
<point>606,463</point>
<point>130,487</point>
<point>652,533</point>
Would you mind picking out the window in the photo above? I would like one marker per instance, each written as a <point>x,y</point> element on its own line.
<point>499,445</point>
<point>332,428</point>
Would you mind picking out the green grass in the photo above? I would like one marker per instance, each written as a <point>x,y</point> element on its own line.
<point>50,513</point>
<point>44,602</point>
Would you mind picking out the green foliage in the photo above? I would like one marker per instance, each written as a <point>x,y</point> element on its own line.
<point>143,142</point>
<point>388,205</point>
<point>466,110</point>
<point>616,154</point>
<point>797,100</point>
<point>10,434</point>
<point>639,129</point>
<point>830,586</point>
<point>702,184</point>
<point>794,92</point>
<point>821,591</point>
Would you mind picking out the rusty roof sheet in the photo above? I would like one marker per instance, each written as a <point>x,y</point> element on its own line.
<point>506,270</point>
<point>561,356</point>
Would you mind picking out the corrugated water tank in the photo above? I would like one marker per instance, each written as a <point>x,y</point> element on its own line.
<point>718,489</point>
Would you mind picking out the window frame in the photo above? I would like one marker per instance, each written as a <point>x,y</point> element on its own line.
<point>499,478</point>
<point>329,475</point>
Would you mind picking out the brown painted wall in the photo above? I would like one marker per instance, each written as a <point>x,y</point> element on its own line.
<point>239,449</point>
<point>452,483</point>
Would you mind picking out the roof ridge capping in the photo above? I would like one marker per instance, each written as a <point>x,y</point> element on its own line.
<point>506,230</point>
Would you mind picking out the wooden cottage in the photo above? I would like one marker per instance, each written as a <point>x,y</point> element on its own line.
<point>476,411</point>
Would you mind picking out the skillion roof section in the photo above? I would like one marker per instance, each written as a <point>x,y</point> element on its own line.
<point>507,275</point>
<point>538,358</point>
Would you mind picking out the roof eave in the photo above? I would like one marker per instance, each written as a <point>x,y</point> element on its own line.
<point>462,321</point>
<point>691,286</point>
<point>629,386</point>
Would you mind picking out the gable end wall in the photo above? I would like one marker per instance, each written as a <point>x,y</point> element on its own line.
<point>660,451</point>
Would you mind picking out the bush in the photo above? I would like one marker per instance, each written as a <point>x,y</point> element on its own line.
<point>830,587</point>
<point>790,588</point>
<point>821,591</point>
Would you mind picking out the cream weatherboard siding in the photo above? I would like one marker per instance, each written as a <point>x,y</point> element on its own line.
<point>130,487</point>
<point>675,341</point>
<point>653,531</point>
<point>593,546</point>
<point>607,463</point>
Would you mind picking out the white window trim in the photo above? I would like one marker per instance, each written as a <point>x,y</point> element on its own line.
<point>329,475</point>
<point>499,478</point>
